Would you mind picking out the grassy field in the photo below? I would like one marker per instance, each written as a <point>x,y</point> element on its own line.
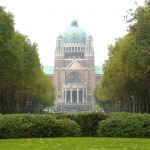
<point>75,144</point>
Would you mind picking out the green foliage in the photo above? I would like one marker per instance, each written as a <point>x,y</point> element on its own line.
<point>67,128</point>
<point>11,127</point>
<point>29,126</point>
<point>21,75</point>
<point>94,124</point>
<point>42,126</point>
<point>126,82</point>
<point>6,26</point>
<point>89,122</point>
<point>64,116</point>
<point>125,125</point>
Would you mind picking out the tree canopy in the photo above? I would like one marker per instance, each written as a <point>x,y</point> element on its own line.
<point>126,81</point>
<point>22,81</point>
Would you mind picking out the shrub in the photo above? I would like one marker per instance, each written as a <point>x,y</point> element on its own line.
<point>27,126</point>
<point>125,125</point>
<point>42,126</point>
<point>63,116</point>
<point>10,127</point>
<point>88,122</point>
<point>68,128</point>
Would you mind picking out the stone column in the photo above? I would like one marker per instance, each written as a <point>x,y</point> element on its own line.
<point>71,96</point>
<point>77,95</point>
<point>83,95</point>
<point>86,93</point>
<point>65,95</point>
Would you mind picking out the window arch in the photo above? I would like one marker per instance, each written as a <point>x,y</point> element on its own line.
<point>74,77</point>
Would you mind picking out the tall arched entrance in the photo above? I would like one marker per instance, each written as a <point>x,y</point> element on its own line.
<point>74,89</point>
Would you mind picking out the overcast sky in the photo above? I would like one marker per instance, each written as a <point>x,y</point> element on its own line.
<point>43,20</point>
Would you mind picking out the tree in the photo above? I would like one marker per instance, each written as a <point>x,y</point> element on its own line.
<point>21,77</point>
<point>126,82</point>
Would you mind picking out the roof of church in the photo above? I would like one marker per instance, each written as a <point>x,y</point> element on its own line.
<point>73,34</point>
<point>99,70</point>
<point>50,70</point>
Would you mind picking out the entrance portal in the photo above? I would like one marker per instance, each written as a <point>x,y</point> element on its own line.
<point>80,96</point>
<point>74,96</point>
<point>68,97</point>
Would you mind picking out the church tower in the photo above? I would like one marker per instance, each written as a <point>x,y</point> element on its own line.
<point>74,72</point>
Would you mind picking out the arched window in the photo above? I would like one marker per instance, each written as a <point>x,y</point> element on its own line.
<point>74,77</point>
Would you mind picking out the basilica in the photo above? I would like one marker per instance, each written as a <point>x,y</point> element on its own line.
<point>74,73</point>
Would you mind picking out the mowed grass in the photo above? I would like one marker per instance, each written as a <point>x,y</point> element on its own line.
<point>75,144</point>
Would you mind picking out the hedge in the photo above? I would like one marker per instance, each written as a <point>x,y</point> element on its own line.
<point>125,125</point>
<point>87,121</point>
<point>28,126</point>
<point>84,124</point>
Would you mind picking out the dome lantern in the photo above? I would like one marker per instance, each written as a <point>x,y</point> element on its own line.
<point>74,23</point>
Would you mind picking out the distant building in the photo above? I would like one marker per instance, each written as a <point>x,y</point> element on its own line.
<point>75,76</point>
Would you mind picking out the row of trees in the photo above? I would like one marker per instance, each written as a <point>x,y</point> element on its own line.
<point>23,85</point>
<point>125,85</point>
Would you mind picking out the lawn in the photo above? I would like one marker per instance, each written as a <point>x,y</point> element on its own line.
<point>75,144</point>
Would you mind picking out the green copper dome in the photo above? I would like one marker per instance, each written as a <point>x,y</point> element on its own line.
<point>74,34</point>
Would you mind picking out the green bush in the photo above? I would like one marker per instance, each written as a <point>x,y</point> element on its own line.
<point>63,116</point>
<point>10,126</point>
<point>125,125</point>
<point>42,126</point>
<point>68,128</point>
<point>27,126</point>
<point>88,122</point>
<point>48,126</point>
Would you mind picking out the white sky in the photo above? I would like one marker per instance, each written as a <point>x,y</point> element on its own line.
<point>43,20</point>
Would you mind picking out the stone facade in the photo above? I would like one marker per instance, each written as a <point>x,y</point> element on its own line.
<point>74,74</point>
<point>74,70</point>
